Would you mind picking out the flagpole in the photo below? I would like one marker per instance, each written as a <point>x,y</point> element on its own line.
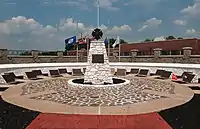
<point>77,42</point>
<point>87,41</point>
<point>119,47</point>
<point>119,51</point>
<point>108,43</point>
<point>108,49</point>
<point>98,10</point>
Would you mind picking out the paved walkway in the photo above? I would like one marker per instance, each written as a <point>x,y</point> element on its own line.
<point>58,121</point>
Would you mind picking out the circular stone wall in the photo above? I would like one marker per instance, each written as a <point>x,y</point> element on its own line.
<point>140,95</point>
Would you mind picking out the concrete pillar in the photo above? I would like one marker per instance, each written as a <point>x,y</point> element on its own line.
<point>35,53</point>
<point>187,51</point>
<point>3,53</point>
<point>115,52</point>
<point>157,52</point>
<point>134,53</point>
<point>3,56</point>
<point>81,52</point>
<point>60,54</point>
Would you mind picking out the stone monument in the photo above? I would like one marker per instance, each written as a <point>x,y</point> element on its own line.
<point>98,70</point>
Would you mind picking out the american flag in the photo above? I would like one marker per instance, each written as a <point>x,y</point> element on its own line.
<point>84,40</point>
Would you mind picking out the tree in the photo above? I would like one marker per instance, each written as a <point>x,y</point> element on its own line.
<point>26,53</point>
<point>148,40</point>
<point>170,38</point>
<point>123,41</point>
<point>179,38</point>
<point>111,41</point>
<point>69,47</point>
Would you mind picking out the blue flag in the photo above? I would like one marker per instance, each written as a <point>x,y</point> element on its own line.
<point>106,41</point>
<point>71,40</point>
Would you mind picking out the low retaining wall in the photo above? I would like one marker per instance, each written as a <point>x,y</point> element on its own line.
<point>157,57</point>
<point>45,67</point>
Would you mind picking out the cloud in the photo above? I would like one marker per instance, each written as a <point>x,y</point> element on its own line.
<point>193,10</point>
<point>108,4</point>
<point>180,22</point>
<point>143,2</point>
<point>75,3</point>
<point>26,33</point>
<point>119,30</point>
<point>191,31</point>
<point>84,4</point>
<point>160,38</point>
<point>151,23</point>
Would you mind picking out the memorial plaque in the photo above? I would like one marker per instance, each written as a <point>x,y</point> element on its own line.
<point>97,58</point>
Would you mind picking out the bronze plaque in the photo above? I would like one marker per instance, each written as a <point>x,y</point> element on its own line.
<point>97,58</point>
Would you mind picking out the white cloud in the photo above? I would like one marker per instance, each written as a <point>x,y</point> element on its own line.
<point>108,4</point>
<point>26,33</point>
<point>161,38</point>
<point>151,23</point>
<point>84,4</point>
<point>143,28</point>
<point>193,10</point>
<point>143,2</point>
<point>190,31</point>
<point>118,30</point>
<point>180,22</point>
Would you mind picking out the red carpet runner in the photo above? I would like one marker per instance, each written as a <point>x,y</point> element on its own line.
<point>61,121</point>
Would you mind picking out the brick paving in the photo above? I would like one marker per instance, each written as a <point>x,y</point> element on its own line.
<point>59,121</point>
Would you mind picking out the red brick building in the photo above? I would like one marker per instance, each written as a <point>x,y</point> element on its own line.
<point>173,47</point>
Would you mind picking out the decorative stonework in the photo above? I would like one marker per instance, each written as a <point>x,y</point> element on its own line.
<point>98,73</point>
<point>130,93</point>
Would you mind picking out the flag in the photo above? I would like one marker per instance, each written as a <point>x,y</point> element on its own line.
<point>117,41</point>
<point>174,77</point>
<point>82,41</point>
<point>71,40</point>
<point>106,41</point>
<point>91,38</point>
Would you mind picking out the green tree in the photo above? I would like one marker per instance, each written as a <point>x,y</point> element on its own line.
<point>148,40</point>
<point>170,37</point>
<point>123,41</point>
<point>179,38</point>
<point>111,41</point>
<point>69,47</point>
<point>26,53</point>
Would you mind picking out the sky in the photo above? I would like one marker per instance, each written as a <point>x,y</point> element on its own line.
<point>45,24</point>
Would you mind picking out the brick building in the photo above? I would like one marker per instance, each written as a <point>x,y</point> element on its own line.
<point>169,47</point>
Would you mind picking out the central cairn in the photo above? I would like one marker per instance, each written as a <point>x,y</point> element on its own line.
<point>98,70</point>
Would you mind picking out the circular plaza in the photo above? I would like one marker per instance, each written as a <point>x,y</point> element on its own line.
<point>140,95</point>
